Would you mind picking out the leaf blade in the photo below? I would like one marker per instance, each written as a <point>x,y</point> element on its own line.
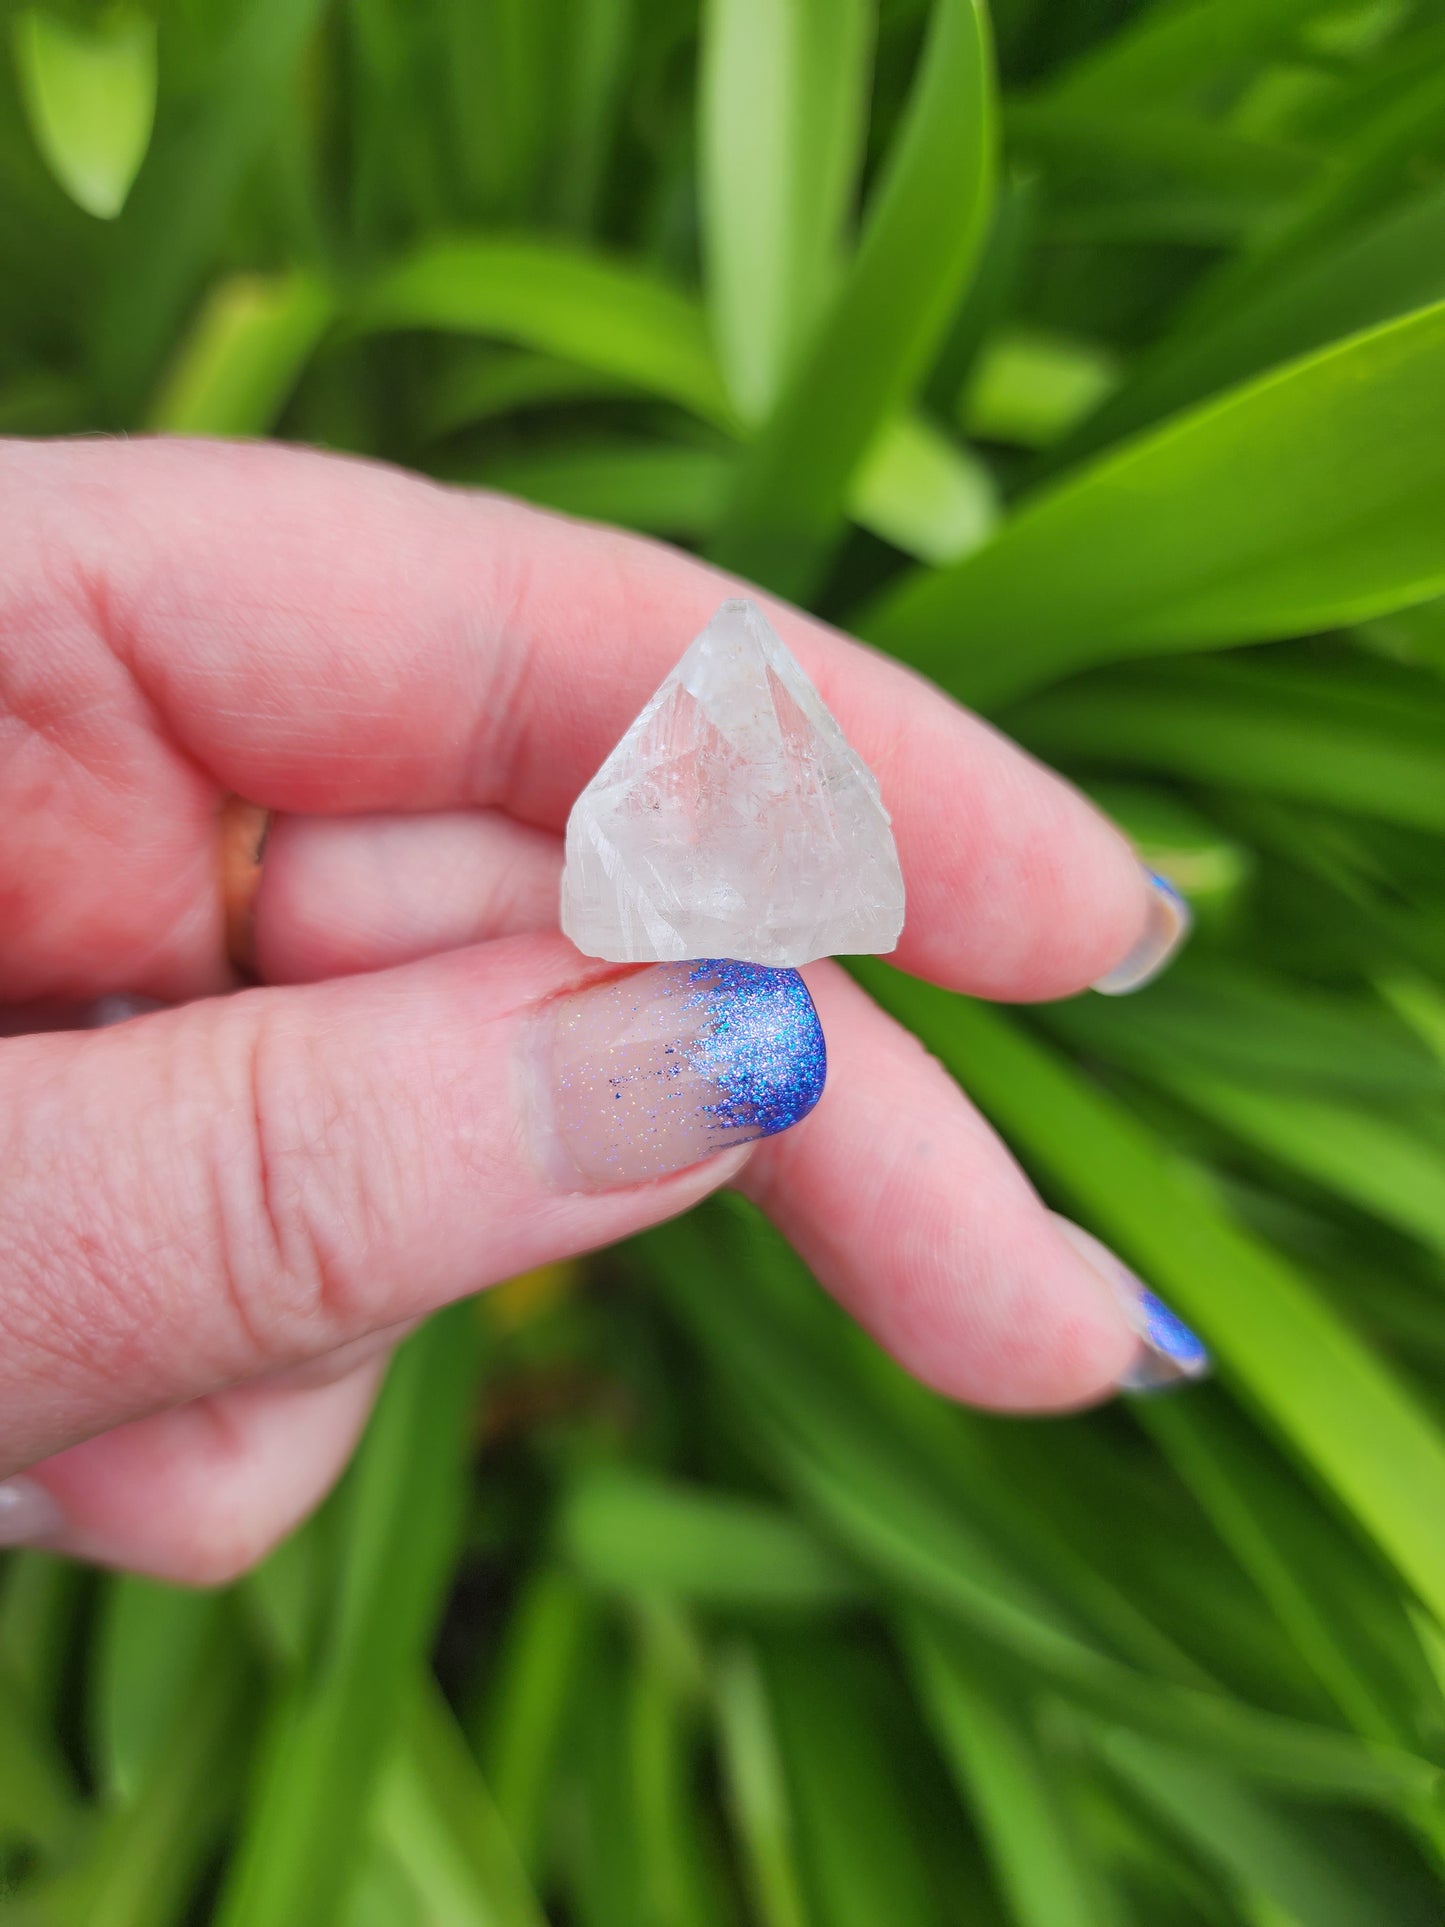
<point>1308,498</point>
<point>889,314</point>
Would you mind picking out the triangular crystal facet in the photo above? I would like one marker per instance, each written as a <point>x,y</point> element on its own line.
<point>732,820</point>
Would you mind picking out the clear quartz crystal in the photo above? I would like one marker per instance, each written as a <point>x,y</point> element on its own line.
<point>732,820</point>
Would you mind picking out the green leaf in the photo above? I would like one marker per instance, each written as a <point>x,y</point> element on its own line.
<point>1262,1852</point>
<point>1030,387</point>
<point>923,493</point>
<point>1375,1162</point>
<point>480,383</point>
<point>1309,498</point>
<point>678,1877</point>
<point>992,290</point>
<point>39,1803</point>
<point>661,488</point>
<point>863,1861</point>
<point>634,1533</point>
<point>594,103</point>
<point>236,368</point>
<point>987,1737</point>
<point>1179,52</point>
<point>42,1597</point>
<point>914,1552</point>
<point>756,1790</point>
<point>925,224</point>
<point>148,1856</point>
<point>1338,1405</point>
<point>917,489</point>
<point>900,1517</point>
<point>782,99</point>
<point>1325,734</point>
<point>384,1895</point>
<point>1264,1034</point>
<point>520,1718</point>
<point>559,299</point>
<point>149,1640</point>
<point>1180,148</point>
<point>1421,1006</point>
<point>499,78</point>
<point>90,92</point>
<point>1410,635</point>
<point>208,133</point>
<point>604,1865</point>
<point>435,1815</point>
<point>1336,1601</point>
<point>1388,140</point>
<point>1351,282</point>
<point>333,1728</point>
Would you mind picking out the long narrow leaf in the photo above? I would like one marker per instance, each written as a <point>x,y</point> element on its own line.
<point>1338,1405</point>
<point>985,1735</point>
<point>246,351</point>
<point>205,139</point>
<point>563,300</point>
<point>756,1790</point>
<point>330,1734</point>
<point>1321,737</point>
<point>151,1852</point>
<point>924,229</point>
<point>1311,497</point>
<point>782,100</point>
<point>635,1534</point>
<point>520,1720</point>
<point>436,1815</point>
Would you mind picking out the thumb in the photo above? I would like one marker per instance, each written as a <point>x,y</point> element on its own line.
<point>206,1194</point>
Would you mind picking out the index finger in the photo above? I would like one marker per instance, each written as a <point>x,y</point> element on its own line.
<point>325,636</point>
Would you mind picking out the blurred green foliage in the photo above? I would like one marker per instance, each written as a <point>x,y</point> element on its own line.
<point>1059,354</point>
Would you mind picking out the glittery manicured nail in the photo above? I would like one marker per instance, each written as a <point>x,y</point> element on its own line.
<point>28,1514</point>
<point>649,1073</point>
<point>1168,926</point>
<point>1169,1352</point>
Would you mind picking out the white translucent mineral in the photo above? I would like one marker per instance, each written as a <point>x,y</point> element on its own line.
<point>732,820</point>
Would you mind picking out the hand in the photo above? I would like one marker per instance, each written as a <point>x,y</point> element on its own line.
<point>216,1219</point>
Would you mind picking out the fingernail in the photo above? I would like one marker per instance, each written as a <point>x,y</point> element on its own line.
<point>650,1073</point>
<point>1169,1352</point>
<point>28,1514</point>
<point>1168,926</point>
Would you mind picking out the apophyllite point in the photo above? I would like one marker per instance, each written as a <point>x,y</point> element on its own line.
<point>732,820</point>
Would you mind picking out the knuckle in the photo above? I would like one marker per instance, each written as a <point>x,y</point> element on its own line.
<point>291,1209</point>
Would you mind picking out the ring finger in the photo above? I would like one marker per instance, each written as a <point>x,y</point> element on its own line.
<point>896,1191</point>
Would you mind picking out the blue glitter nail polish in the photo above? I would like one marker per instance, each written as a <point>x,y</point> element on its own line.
<point>1170,1354</point>
<point>763,1048</point>
<point>658,1070</point>
<point>1168,1333</point>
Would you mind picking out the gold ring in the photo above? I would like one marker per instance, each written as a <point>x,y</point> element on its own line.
<point>243,843</point>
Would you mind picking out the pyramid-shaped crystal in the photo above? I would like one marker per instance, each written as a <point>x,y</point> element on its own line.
<point>732,820</point>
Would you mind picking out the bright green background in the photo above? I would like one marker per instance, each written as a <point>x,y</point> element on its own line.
<point>1113,395</point>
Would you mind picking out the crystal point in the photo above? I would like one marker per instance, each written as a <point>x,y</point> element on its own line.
<point>732,820</point>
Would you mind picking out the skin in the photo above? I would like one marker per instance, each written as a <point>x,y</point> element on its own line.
<point>216,1220</point>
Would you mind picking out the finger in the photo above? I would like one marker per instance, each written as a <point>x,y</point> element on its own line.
<point>327,637</point>
<point>911,1211</point>
<point>348,893</point>
<point>343,894</point>
<point>198,1197</point>
<point>199,1494</point>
